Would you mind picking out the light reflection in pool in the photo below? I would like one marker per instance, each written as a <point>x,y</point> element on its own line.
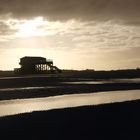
<point>25,88</point>
<point>10,107</point>
<point>133,80</point>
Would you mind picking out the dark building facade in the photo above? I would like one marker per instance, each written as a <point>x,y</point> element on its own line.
<point>34,65</point>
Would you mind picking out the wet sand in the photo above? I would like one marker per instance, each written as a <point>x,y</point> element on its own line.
<point>31,86</point>
<point>114,120</point>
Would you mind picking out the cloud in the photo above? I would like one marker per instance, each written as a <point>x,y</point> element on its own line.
<point>132,23</point>
<point>5,29</point>
<point>107,37</point>
<point>6,32</point>
<point>72,9</point>
<point>68,17</point>
<point>75,34</point>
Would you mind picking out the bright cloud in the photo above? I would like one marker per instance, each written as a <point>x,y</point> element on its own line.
<point>75,35</point>
<point>86,32</point>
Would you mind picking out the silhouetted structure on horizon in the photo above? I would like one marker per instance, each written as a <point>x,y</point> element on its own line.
<point>36,65</point>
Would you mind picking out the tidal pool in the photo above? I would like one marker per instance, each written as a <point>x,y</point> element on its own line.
<point>133,80</point>
<point>11,107</point>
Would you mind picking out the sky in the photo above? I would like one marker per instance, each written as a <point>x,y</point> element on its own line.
<point>76,34</point>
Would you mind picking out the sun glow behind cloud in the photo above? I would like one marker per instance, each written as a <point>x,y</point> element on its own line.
<point>30,28</point>
<point>86,43</point>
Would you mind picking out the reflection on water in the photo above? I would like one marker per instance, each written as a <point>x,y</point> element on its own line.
<point>10,107</point>
<point>26,76</point>
<point>86,82</point>
<point>26,88</point>
<point>134,80</point>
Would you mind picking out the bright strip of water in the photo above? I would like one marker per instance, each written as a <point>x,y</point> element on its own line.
<point>11,107</point>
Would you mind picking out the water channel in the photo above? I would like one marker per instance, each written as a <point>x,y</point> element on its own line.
<point>16,106</point>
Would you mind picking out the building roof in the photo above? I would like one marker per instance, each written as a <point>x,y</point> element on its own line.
<point>34,60</point>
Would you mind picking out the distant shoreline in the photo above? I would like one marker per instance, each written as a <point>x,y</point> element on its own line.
<point>99,74</point>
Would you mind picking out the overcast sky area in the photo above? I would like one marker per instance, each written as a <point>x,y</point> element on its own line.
<point>76,34</point>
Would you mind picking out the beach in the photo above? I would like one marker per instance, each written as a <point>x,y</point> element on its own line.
<point>113,119</point>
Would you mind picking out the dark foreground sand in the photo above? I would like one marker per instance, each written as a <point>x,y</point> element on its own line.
<point>110,121</point>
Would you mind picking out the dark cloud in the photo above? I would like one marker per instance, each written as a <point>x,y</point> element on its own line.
<point>5,29</point>
<point>67,9</point>
<point>132,23</point>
